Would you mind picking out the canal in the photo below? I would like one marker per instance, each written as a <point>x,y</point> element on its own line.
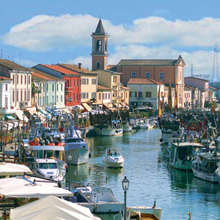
<point>176,192</point>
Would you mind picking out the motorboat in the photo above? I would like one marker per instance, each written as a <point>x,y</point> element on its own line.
<point>113,160</point>
<point>49,169</point>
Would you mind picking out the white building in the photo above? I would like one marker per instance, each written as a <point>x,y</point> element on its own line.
<point>5,96</point>
<point>21,87</point>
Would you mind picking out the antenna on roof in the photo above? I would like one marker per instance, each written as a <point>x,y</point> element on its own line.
<point>214,74</point>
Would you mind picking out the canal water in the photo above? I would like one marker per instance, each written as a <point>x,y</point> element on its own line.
<point>176,192</point>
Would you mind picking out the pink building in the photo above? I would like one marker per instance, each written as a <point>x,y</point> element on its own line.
<point>200,90</point>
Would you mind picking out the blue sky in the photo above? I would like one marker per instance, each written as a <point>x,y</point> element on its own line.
<point>52,31</point>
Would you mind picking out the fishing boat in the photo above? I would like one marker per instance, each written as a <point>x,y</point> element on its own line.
<point>76,149</point>
<point>206,166</point>
<point>49,169</point>
<point>182,154</point>
<point>113,160</point>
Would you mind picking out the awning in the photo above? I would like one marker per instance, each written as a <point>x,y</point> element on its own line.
<point>87,107</point>
<point>30,187</point>
<point>12,169</point>
<point>52,207</point>
<point>21,116</point>
<point>10,117</point>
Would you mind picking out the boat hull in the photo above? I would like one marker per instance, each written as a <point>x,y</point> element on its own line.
<point>79,153</point>
<point>212,177</point>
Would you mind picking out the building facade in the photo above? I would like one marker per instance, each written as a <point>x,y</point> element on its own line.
<point>21,83</point>
<point>72,82</point>
<point>5,95</point>
<point>144,92</point>
<point>200,91</point>
<point>50,91</point>
<point>167,72</point>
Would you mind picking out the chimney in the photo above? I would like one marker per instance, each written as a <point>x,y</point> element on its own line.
<point>79,65</point>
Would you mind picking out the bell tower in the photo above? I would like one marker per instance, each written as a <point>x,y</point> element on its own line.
<point>99,47</point>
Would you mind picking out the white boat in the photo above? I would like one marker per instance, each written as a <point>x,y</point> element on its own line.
<point>113,159</point>
<point>206,166</point>
<point>49,169</point>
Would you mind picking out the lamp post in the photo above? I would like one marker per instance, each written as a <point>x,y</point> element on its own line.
<point>69,159</point>
<point>125,186</point>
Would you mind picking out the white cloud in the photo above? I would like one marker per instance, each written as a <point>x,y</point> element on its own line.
<point>42,33</point>
<point>45,32</point>
<point>150,37</point>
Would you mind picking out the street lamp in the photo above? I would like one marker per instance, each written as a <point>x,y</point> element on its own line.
<point>69,159</point>
<point>125,186</point>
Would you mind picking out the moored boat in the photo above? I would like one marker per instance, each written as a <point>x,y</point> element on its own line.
<point>206,166</point>
<point>182,154</point>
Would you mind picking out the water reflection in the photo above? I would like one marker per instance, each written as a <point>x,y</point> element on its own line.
<point>150,177</point>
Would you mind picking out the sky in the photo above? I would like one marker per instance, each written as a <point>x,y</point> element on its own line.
<point>55,31</point>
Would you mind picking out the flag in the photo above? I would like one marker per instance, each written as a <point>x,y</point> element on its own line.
<point>170,98</point>
<point>176,100</point>
<point>212,106</point>
<point>159,104</point>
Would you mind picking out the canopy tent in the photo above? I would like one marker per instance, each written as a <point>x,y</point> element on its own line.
<point>30,187</point>
<point>11,169</point>
<point>21,116</point>
<point>51,207</point>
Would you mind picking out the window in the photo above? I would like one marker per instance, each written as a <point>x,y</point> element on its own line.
<point>57,87</point>
<point>52,87</point>
<point>25,96</point>
<point>97,65</point>
<point>25,79</point>
<point>17,95</point>
<point>29,80</point>
<point>100,96</point>
<point>133,75</point>
<point>61,87</point>
<point>61,98</point>
<point>17,79</point>
<point>148,94</point>
<point>99,45</point>
<point>21,95</point>
<point>94,81</point>
<point>140,94</point>
<point>161,76</point>
<point>13,79</point>
<point>21,79</point>
<point>6,87</point>
<point>13,96</point>
<point>115,79</point>
<point>93,95</point>
<point>73,97</point>
<point>147,75</point>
